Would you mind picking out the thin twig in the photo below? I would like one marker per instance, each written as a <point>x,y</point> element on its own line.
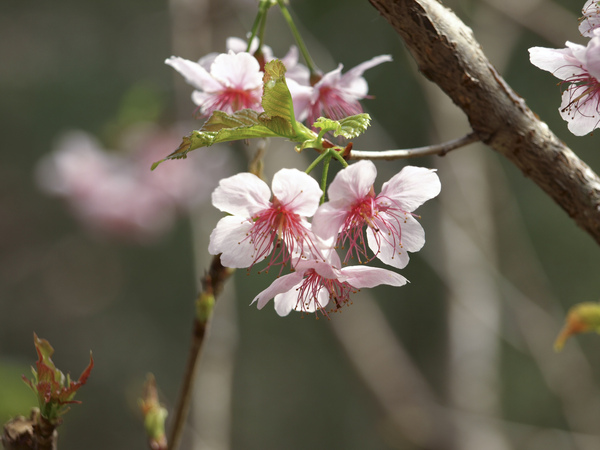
<point>438,149</point>
<point>212,285</point>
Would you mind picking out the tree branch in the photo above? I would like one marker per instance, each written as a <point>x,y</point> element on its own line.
<point>437,149</point>
<point>448,54</point>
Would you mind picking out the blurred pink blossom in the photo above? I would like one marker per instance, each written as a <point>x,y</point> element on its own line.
<point>335,95</point>
<point>116,195</point>
<point>591,18</point>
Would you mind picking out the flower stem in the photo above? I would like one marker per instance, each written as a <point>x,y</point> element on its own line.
<point>339,157</point>
<point>258,27</point>
<point>326,160</point>
<point>317,161</point>
<point>288,18</point>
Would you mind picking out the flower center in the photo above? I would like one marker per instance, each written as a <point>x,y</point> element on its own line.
<point>583,88</point>
<point>281,230</point>
<point>310,290</point>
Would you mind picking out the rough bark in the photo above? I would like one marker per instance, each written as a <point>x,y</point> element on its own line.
<point>448,54</point>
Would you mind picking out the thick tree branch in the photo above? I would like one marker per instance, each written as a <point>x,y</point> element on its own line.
<point>448,54</point>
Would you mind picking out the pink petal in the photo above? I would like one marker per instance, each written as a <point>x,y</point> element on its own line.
<point>582,118</point>
<point>230,238</point>
<point>368,277</point>
<point>243,195</point>
<point>298,191</point>
<point>592,55</point>
<point>352,183</point>
<point>194,74</point>
<point>392,255</point>
<point>287,301</point>
<point>328,220</point>
<point>283,284</point>
<point>411,187</point>
<point>353,81</point>
<point>237,70</point>
<point>301,97</point>
<point>560,62</point>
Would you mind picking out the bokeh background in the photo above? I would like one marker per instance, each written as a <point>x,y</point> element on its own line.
<point>461,358</point>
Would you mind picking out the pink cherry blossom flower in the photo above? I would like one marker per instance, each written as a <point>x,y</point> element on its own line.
<point>579,69</point>
<point>259,226</point>
<point>295,71</point>
<point>591,18</point>
<point>316,282</point>
<point>115,195</point>
<point>232,82</point>
<point>391,229</point>
<point>334,95</point>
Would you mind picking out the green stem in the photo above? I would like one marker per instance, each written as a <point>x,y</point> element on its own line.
<point>259,22</point>
<point>288,18</point>
<point>339,157</point>
<point>317,161</point>
<point>326,161</point>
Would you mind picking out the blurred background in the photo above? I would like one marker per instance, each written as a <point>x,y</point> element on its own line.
<point>461,358</point>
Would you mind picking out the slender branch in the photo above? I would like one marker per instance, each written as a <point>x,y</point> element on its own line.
<point>448,54</point>
<point>438,149</point>
<point>212,284</point>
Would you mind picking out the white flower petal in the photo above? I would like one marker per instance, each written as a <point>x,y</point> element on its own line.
<point>298,191</point>
<point>560,62</point>
<point>583,117</point>
<point>194,74</point>
<point>230,238</point>
<point>328,220</point>
<point>243,195</point>
<point>368,277</point>
<point>411,187</point>
<point>386,249</point>
<point>281,285</point>
<point>352,183</point>
<point>237,70</point>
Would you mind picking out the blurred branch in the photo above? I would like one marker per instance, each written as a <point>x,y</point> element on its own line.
<point>438,149</point>
<point>448,54</point>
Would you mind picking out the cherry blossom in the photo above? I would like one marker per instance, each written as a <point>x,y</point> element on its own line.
<point>296,72</point>
<point>316,282</point>
<point>391,229</point>
<point>115,195</point>
<point>232,81</point>
<point>259,224</point>
<point>591,18</point>
<point>579,69</point>
<point>335,95</point>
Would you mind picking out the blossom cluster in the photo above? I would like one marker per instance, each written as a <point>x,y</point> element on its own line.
<point>274,228</point>
<point>114,195</point>
<point>232,81</point>
<point>578,67</point>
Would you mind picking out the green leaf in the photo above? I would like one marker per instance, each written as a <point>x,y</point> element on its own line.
<point>276,121</point>
<point>348,127</point>
<point>276,99</point>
